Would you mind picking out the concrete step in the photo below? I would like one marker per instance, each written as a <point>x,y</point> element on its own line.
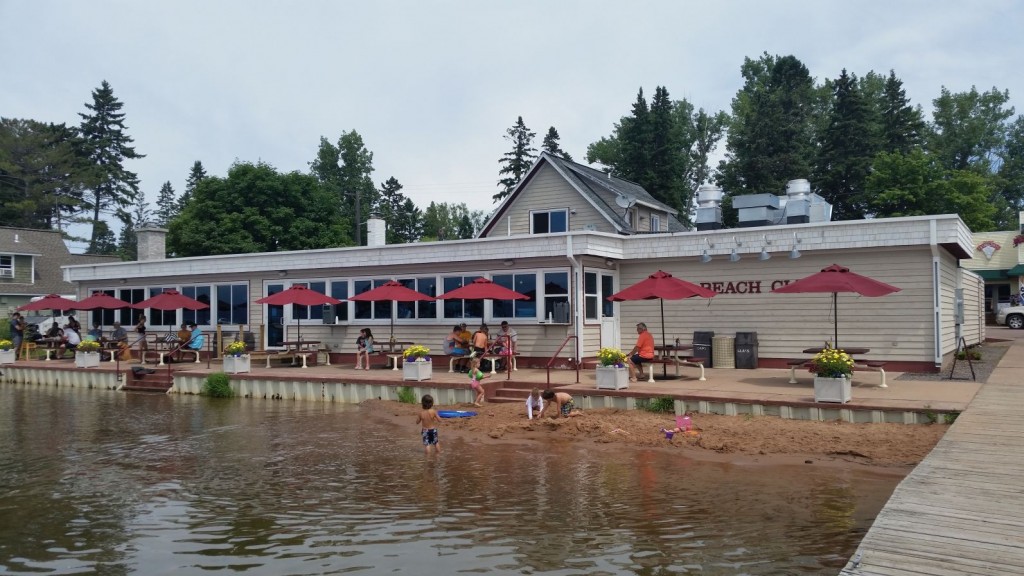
<point>513,393</point>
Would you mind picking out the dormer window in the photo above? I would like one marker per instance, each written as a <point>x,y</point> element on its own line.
<point>549,221</point>
<point>655,223</point>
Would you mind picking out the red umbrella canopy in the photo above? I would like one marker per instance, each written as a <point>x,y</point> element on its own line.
<point>836,278</point>
<point>50,302</point>
<point>101,301</point>
<point>171,300</point>
<point>298,294</point>
<point>662,285</point>
<point>393,291</point>
<point>483,289</point>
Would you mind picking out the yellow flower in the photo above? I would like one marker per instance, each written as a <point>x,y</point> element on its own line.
<point>415,351</point>
<point>611,357</point>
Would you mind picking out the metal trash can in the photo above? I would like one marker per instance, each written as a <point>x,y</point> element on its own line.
<point>702,346</point>
<point>746,350</point>
<point>723,351</point>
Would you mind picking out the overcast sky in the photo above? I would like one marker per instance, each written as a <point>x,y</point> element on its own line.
<point>433,86</point>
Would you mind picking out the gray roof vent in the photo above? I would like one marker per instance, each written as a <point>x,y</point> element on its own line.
<point>709,207</point>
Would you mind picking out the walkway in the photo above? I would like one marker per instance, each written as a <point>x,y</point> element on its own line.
<point>961,510</point>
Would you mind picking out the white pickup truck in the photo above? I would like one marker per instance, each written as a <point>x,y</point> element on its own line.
<point>1011,316</point>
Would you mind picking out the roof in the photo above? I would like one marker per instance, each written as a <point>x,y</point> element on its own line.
<point>598,188</point>
<point>49,253</point>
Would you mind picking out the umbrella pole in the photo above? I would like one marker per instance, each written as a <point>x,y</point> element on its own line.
<point>835,328</point>
<point>661,301</point>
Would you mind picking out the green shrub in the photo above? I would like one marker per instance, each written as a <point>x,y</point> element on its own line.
<point>973,353</point>
<point>218,385</point>
<point>407,396</point>
<point>950,417</point>
<point>661,405</point>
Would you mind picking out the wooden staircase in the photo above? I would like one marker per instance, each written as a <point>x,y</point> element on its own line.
<point>148,379</point>
<point>511,391</point>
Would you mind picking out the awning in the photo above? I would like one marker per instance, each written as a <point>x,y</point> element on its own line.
<point>991,274</point>
<point>1017,270</point>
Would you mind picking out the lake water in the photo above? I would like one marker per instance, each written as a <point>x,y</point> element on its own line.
<point>121,483</point>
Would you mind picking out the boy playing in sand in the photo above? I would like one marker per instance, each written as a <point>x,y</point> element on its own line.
<point>534,402</point>
<point>475,376</point>
<point>428,421</point>
<point>562,402</point>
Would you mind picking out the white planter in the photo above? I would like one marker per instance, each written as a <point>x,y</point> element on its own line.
<point>87,359</point>
<point>236,364</point>
<point>7,356</point>
<point>612,378</point>
<point>832,390</point>
<point>417,370</point>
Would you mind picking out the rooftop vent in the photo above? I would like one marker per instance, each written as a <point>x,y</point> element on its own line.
<point>709,207</point>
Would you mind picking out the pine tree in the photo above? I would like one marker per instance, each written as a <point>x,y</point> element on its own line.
<point>166,205</point>
<point>40,174</point>
<point>195,176</point>
<point>902,124</point>
<point>409,223</point>
<point>105,244</point>
<point>128,244</point>
<point>391,206</point>
<point>356,186</point>
<point>551,144</point>
<point>516,162</point>
<point>106,145</point>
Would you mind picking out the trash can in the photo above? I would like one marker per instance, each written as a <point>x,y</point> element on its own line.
<point>746,350</point>
<point>723,351</point>
<point>702,346</point>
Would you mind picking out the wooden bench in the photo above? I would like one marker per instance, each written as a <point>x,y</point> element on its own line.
<point>495,358</point>
<point>793,364</point>
<point>453,359</point>
<point>875,366</point>
<point>686,361</point>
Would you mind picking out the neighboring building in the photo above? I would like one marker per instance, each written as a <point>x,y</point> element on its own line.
<point>999,259</point>
<point>30,265</point>
<point>561,238</point>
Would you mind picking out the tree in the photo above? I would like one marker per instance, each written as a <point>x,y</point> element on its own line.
<point>969,129</point>
<point>399,212</point>
<point>256,209</point>
<point>1010,183</point>
<point>106,243</point>
<point>448,222</point>
<point>409,225</point>
<point>195,176</point>
<point>111,187</point>
<point>356,184</point>
<point>902,124</point>
<point>128,244</point>
<point>551,145</point>
<point>517,161</point>
<point>166,205</point>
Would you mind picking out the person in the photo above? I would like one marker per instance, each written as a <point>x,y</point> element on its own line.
<point>54,331</point>
<point>465,338</point>
<point>119,334</point>
<point>683,424</point>
<point>184,335</point>
<point>75,325</point>
<point>561,401</point>
<point>197,340</point>
<point>476,376</point>
<point>429,421</point>
<point>642,352</point>
<point>454,345</point>
<point>505,343</point>
<point>96,333</point>
<point>69,341</point>
<point>364,347</point>
<point>481,339</point>
<point>534,402</point>
<point>140,329</point>
<point>17,331</point>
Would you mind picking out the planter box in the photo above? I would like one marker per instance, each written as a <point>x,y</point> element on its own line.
<point>87,359</point>
<point>7,356</point>
<point>612,378</point>
<point>832,390</point>
<point>236,364</point>
<point>417,370</point>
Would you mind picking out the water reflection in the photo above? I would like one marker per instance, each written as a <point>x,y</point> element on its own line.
<point>115,483</point>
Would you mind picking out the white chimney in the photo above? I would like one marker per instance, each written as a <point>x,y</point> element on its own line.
<point>151,244</point>
<point>376,231</point>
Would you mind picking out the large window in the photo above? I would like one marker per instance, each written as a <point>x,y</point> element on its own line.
<point>596,290</point>
<point>427,286</point>
<point>233,304</point>
<point>524,284</point>
<point>129,316</point>
<point>339,290</point>
<point>370,310</point>
<point>457,309</point>
<point>161,317</point>
<point>301,312</point>
<point>200,317</point>
<point>556,297</point>
<point>547,221</point>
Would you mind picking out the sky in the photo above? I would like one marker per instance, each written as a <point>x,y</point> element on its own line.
<point>433,86</point>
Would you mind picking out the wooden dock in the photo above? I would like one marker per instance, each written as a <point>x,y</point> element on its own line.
<point>961,511</point>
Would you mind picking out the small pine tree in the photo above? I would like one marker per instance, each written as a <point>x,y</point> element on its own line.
<point>551,144</point>
<point>166,205</point>
<point>517,161</point>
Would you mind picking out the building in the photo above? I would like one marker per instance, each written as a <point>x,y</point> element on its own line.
<point>565,238</point>
<point>998,257</point>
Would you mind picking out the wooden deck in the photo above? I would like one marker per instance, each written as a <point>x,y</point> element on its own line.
<point>961,511</point>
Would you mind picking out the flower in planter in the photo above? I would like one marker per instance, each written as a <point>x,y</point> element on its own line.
<point>88,346</point>
<point>612,357</point>
<point>832,363</point>
<point>416,353</point>
<point>1018,240</point>
<point>6,345</point>
<point>235,349</point>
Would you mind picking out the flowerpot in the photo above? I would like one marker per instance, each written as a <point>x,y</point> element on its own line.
<point>612,377</point>
<point>831,389</point>
<point>7,356</point>
<point>87,359</point>
<point>236,364</point>
<point>418,370</point>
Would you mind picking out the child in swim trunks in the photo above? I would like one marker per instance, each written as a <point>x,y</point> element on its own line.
<point>475,377</point>
<point>428,421</point>
<point>562,402</point>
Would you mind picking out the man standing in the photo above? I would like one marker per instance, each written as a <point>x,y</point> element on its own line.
<point>17,331</point>
<point>642,352</point>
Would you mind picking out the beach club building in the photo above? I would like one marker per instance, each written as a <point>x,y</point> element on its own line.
<point>570,236</point>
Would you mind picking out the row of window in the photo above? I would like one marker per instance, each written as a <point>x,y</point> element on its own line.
<point>551,221</point>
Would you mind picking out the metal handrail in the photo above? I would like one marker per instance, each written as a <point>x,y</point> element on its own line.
<point>555,356</point>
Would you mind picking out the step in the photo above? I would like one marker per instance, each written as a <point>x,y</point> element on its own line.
<point>514,393</point>
<point>505,400</point>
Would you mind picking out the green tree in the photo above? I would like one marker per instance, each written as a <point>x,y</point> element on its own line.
<point>516,162</point>
<point>128,243</point>
<point>40,174</point>
<point>443,221</point>
<point>256,209</point>
<point>399,212</point>
<point>903,126</point>
<point>1010,184</point>
<point>195,176</point>
<point>409,223</point>
<point>969,128</point>
<point>111,186</point>
<point>357,187</point>
<point>106,243</point>
<point>166,205</point>
<point>551,144</point>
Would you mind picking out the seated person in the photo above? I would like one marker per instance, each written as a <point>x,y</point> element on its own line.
<point>96,333</point>
<point>642,352</point>
<point>184,338</point>
<point>197,340</point>
<point>119,334</point>
<point>455,345</point>
<point>70,341</point>
<point>54,331</point>
<point>481,341</point>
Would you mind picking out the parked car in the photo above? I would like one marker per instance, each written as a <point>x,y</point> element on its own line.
<point>1011,316</point>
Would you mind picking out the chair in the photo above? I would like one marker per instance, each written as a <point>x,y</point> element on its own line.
<point>25,352</point>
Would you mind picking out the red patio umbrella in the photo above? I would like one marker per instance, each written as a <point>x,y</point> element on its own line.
<point>483,289</point>
<point>662,286</point>
<point>49,302</point>
<point>171,300</point>
<point>101,301</point>
<point>835,279</point>
<point>392,291</point>
<point>301,295</point>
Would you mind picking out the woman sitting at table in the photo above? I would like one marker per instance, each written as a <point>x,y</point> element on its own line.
<point>54,331</point>
<point>197,338</point>
<point>70,341</point>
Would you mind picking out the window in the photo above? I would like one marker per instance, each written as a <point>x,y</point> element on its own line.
<point>522,283</point>
<point>426,286</point>
<point>233,304</point>
<point>106,317</point>
<point>200,317</point>
<point>655,223</point>
<point>556,296</point>
<point>596,290</point>
<point>370,310</point>
<point>6,266</point>
<point>545,222</point>
<point>129,316</point>
<point>301,312</point>
<point>607,289</point>
<point>161,317</point>
<point>339,290</point>
<point>461,308</point>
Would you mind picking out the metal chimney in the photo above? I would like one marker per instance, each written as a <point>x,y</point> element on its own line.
<point>709,207</point>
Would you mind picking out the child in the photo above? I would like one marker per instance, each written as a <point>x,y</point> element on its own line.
<point>364,347</point>
<point>534,402</point>
<point>683,425</point>
<point>475,376</point>
<point>428,421</point>
<point>562,402</point>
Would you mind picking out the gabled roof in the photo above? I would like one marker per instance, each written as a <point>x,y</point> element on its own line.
<point>49,253</point>
<point>598,188</point>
